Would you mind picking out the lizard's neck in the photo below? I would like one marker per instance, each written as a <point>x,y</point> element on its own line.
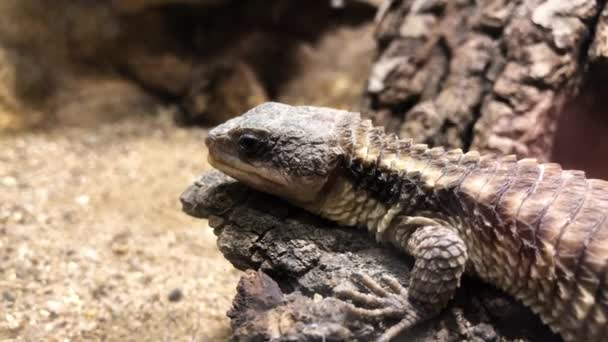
<point>382,177</point>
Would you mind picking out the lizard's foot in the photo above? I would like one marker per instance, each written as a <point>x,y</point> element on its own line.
<point>386,302</point>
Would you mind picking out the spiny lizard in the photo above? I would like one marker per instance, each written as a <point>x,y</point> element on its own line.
<point>534,230</point>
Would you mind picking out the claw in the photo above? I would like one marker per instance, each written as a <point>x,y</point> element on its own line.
<point>394,285</point>
<point>385,302</point>
<point>359,297</point>
<point>398,328</point>
<point>376,313</point>
<point>371,285</point>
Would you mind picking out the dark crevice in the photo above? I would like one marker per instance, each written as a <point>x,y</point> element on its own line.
<point>583,57</point>
<point>501,99</point>
<point>402,108</point>
<point>541,84</point>
<point>447,67</point>
<point>300,21</point>
<point>468,133</point>
<point>495,33</point>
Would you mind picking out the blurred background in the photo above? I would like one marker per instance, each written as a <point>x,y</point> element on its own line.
<point>104,106</point>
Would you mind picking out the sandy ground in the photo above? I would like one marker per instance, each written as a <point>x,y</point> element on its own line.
<point>93,244</point>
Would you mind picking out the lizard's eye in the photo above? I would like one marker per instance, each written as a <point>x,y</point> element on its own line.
<point>249,143</point>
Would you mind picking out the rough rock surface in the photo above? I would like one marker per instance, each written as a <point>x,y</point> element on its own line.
<point>300,260</point>
<point>490,75</point>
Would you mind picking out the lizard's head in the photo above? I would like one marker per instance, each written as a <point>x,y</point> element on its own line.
<point>288,151</point>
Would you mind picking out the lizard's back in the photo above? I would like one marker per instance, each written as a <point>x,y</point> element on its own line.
<point>541,234</point>
<point>534,230</point>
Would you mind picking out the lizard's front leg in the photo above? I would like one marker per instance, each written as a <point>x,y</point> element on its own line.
<point>441,257</point>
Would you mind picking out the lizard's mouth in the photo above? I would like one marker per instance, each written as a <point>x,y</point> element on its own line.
<point>248,175</point>
<point>263,180</point>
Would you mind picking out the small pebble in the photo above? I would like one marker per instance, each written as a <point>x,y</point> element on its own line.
<point>82,199</point>
<point>54,306</point>
<point>175,295</point>
<point>90,254</point>
<point>14,323</point>
<point>8,181</point>
<point>90,314</point>
<point>120,248</point>
<point>7,296</point>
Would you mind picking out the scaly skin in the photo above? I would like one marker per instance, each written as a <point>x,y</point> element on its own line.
<point>534,230</point>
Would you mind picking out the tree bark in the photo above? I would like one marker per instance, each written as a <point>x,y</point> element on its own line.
<point>598,53</point>
<point>496,76</point>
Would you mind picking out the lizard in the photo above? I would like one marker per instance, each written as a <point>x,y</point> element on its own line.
<point>536,231</point>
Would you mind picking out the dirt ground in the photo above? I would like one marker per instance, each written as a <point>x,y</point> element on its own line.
<point>93,244</point>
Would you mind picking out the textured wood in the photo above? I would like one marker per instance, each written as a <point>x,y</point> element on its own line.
<point>598,52</point>
<point>495,77</point>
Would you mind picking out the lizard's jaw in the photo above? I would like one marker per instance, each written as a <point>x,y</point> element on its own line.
<point>263,180</point>
<point>245,174</point>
